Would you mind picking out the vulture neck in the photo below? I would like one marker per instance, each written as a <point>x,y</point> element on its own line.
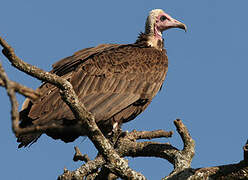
<point>155,42</point>
<point>154,35</point>
<point>151,41</point>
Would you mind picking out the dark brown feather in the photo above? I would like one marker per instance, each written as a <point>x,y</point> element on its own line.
<point>115,83</point>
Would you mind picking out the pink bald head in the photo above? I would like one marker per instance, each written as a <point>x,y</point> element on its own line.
<point>165,21</point>
<point>159,21</point>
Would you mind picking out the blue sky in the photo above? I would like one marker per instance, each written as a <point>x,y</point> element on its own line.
<point>206,84</point>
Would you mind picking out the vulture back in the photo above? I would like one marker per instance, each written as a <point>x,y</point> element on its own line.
<point>115,83</point>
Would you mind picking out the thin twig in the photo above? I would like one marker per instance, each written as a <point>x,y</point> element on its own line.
<point>182,159</point>
<point>150,134</point>
<point>23,90</point>
<point>13,100</point>
<point>189,144</point>
<point>79,157</point>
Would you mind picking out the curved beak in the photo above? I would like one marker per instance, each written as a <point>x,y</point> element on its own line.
<point>173,23</point>
<point>182,26</point>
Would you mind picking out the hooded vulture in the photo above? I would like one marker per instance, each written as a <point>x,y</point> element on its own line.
<point>115,82</point>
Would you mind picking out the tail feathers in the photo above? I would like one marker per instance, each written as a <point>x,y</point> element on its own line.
<point>26,121</point>
<point>28,140</point>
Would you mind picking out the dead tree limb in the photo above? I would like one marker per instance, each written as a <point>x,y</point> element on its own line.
<point>150,134</point>
<point>117,164</point>
<point>181,159</point>
<point>23,90</point>
<point>79,157</point>
<point>127,145</point>
<point>12,97</point>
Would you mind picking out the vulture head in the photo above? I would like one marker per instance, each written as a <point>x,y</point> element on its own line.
<point>157,22</point>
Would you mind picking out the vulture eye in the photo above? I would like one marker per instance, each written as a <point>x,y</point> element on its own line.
<point>163,18</point>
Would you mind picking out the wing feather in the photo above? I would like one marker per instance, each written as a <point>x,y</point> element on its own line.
<point>104,99</point>
<point>92,99</point>
<point>111,81</point>
<point>121,103</point>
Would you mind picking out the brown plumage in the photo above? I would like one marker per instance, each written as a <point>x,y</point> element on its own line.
<point>116,82</point>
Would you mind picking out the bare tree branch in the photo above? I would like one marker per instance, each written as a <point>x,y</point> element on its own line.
<point>25,91</point>
<point>229,172</point>
<point>184,157</point>
<point>84,170</point>
<point>127,146</point>
<point>13,100</point>
<point>11,88</point>
<point>150,134</point>
<point>79,157</point>
<point>117,164</point>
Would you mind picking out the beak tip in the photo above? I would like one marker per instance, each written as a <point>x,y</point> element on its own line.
<point>182,26</point>
<point>185,27</point>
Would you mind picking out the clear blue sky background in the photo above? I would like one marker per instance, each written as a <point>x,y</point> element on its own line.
<point>206,84</point>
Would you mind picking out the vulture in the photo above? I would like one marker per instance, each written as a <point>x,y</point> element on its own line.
<point>115,82</point>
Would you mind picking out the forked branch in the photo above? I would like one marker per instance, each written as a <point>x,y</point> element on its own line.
<point>127,145</point>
